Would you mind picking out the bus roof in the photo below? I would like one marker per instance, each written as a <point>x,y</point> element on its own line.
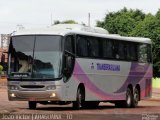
<point>63,29</point>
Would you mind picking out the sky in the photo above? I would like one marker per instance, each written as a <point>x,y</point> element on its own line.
<point>37,13</point>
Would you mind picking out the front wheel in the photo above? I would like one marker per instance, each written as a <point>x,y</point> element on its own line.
<point>32,105</point>
<point>79,100</point>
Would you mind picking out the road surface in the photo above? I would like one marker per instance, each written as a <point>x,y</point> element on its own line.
<point>11,110</point>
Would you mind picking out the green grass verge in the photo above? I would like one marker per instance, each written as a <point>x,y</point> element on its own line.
<point>156,82</point>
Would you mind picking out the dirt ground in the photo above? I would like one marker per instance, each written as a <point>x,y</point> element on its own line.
<point>11,110</point>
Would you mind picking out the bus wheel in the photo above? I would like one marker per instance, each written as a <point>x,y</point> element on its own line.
<point>129,98</point>
<point>32,105</point>
<point>79,100</point>
<point>135,98</point>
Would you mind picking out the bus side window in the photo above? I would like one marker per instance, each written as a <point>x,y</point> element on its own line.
<point>82,46</point>
<point>119,50</point>
<point>107,48</point>
<point>93,47</point>
<point>131,51</point>
<point>69,44</point>
<point>142,53</point>
<point>149,53</point>
<point>69,56</point>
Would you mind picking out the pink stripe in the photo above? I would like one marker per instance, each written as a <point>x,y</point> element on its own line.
<point>80,75</point>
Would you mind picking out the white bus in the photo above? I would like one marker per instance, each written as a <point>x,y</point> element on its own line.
<point>66,63</point>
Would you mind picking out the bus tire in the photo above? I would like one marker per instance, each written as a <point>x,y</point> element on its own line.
<point>129,98</point>
<point>32,105</point>
<point>80,99</point>
<point>136,97</point>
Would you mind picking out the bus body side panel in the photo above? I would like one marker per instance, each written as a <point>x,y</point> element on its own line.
<point>108,80</point>
<point>146,83</point>
<point>69,89</point>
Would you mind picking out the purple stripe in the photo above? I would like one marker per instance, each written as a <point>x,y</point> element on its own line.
<point>80,75</point>
<point>136,74</point>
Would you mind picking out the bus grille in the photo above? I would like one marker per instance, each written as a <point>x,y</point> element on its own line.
<point>32,86</point>
<point>30,95</point>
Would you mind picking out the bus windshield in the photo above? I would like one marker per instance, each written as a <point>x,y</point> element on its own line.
<point>35,56</point>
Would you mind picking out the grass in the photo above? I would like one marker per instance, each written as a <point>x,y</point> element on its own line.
<point>156,82</point>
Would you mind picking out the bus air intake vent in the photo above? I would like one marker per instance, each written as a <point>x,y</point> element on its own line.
<point>32,86</point>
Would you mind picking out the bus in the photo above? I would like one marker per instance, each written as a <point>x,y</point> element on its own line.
<point>71,63</point>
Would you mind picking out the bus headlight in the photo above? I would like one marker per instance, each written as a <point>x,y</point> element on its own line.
<point>53,95</point>
<point>12,95</point>
<point>51,87</point>
<point>13,87</point>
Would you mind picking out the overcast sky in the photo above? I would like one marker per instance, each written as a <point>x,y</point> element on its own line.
<point>37,13</point>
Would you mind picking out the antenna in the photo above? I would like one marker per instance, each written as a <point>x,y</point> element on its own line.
<point>51,19</point>
<point>89,19</point>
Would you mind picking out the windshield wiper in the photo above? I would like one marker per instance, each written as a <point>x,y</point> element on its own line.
<point>33,54</point>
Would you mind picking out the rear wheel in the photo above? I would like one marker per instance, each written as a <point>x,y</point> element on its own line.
<point>32,105</point>
<point>136,97</point>
<point>126,103</point>
<point>79,100</point>
<point>129,98</point>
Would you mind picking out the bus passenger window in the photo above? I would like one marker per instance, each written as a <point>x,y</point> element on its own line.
<point>149,54</point>
<point>93,47</point>
<point>107,49</point>
<point>131,52</point>
<point>142,53</point>
<point>121,50</point>
<point>82,46</point>
<point>69,44</point>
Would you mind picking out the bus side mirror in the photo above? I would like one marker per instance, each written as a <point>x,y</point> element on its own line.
<point>68,63</point>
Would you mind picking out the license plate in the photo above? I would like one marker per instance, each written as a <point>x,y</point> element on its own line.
<point>32,99</point>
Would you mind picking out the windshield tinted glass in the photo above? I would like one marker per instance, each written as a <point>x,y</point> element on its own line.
<point>39,56</point>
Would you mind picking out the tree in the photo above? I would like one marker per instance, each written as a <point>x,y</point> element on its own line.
<point>121,22</point>
<point>69,22</point>
<point>56,22</point>
<point>136,23</point>
<point>65,22</point>
<point>1,69</point>
<point>150,28</point>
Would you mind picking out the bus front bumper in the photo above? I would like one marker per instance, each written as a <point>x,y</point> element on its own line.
<point>33,96</point>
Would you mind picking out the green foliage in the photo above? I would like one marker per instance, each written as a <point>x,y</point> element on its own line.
<point>136,23</point>
<point>1,68</point>
<point>56,22</point>
<point>155,82</point>
<point>69,22</point>
<point>121,22</point>
<point>65,22</point>
<point>150,27</point>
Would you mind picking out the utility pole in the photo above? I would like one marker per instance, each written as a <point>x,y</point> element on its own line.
<point>89,19</point>
<point>51,20</point>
